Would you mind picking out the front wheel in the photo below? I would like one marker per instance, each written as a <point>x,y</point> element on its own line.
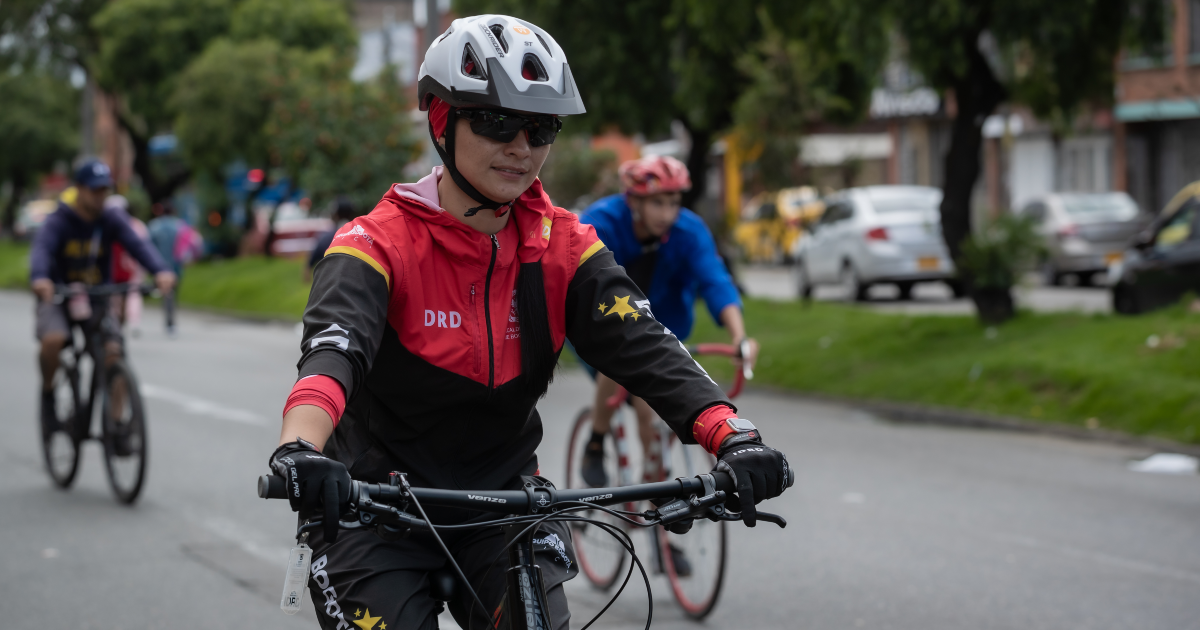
<point>124,434</point>
<point>694,562</point>
<point>600,556</point>
<point>60,434</point>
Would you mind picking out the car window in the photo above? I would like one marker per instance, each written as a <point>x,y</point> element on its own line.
<point>832,214</point>
<point>1035,211</point>
<point>1096,208</point>
<point>905,201</point>
<point>1179,228</point>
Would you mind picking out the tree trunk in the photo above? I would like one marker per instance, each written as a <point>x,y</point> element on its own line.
<point>14,202</point>
<point>977,94</point>
<point>156,189</point>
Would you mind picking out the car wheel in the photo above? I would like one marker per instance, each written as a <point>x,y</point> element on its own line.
<point>856,290</point>
<point>957,289</point>
<point>1086,279</point>
<point>1050,276</point>
<point>804,287</point>
<point>906,289</point>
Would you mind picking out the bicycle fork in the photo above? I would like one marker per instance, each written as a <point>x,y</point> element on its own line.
<point>525,601</point>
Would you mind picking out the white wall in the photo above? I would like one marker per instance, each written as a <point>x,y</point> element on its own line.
<point>1031,168</point>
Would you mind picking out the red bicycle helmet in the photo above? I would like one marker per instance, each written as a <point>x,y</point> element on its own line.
<point>654,174</point>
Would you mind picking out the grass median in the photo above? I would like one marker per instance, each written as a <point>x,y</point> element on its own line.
<point>1140,375</point>
<point>255,286</point>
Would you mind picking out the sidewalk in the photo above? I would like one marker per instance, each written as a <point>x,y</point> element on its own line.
<point>775,283</point>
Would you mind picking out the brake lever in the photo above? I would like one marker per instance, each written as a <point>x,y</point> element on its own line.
<point>737,516</point>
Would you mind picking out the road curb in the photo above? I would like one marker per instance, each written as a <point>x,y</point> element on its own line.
<point>912,413</point>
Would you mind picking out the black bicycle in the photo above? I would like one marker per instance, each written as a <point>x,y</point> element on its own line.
<point>385,508</point>
<point>95,354</point>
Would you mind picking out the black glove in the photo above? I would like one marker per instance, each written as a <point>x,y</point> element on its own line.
<point>316,485</point>
<point>759,472</point>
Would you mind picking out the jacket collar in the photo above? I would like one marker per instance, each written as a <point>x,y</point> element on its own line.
<point>533,214</point>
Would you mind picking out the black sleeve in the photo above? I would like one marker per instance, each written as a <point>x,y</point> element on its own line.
<point>344,320</point>
<point>610,324</point>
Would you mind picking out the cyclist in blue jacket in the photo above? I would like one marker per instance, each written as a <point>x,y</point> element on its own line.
<point>670,254</point>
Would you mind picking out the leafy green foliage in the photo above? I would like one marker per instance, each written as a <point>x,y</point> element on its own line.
<point>1063,368</point>
<point>341,137</point>
<point>306,24</point>
<point>996,256</point>
<point>575,174</point>
<point>14,264</point>
<point>146,44</point>
<point>39,126</point>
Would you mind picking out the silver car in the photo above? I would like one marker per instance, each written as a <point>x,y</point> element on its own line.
<point>1084,233</point>
<point>875,235</point>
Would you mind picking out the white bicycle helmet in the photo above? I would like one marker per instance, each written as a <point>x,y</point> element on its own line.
<point>500,61</point>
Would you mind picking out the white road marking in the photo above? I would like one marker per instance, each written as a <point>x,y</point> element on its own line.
<point>202,407</point>
<point>1104,559</point>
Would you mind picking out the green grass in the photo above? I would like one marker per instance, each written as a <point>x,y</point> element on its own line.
<point>255,286</point>
<point>14,264</point>
<point>1064,368</point>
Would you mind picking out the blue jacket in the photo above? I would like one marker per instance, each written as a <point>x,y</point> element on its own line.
<point>687,265</point>
<point>67,248</point>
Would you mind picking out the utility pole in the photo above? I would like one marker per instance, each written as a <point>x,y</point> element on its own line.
<point>433,23</point>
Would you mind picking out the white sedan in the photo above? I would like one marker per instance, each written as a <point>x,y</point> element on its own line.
<point>875,235</point>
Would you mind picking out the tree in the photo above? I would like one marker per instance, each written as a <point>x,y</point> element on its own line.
<point>39,127</point>
<point>1054,57</point>
<point>144,45</point>
<point>643,63</point>
<point>338,137</point>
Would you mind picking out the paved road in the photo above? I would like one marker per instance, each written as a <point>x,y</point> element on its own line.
<point>892,526</point>
<point>933,298</point>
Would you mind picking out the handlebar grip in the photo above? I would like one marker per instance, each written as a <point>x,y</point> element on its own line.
<point>272,487</point>
<point>725,482</point>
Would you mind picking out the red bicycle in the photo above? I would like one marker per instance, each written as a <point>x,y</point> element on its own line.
<point>694,564</point>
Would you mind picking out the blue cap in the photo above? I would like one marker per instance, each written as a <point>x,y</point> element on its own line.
<point>94,174</point>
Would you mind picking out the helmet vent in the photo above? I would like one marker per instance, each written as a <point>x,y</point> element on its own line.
<point>448,32</point>
<point>532,69</point>
<point>548,51</point>
<point>470,64</point>
<point>498,31</point>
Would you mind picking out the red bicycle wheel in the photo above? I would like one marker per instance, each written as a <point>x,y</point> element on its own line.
<point>696,586</point>
<point>600,556</point>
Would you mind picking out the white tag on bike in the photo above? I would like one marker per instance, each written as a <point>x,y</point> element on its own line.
<point>295,581</point>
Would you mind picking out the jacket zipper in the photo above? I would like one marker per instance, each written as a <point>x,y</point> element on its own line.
<point>475,319</point>
<point>487,314</point>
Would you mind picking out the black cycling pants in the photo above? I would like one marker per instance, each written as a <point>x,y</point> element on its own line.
<point>363,581</point>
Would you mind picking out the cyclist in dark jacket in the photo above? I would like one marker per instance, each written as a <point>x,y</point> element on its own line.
<point>74,245</point>
<point>434,325</point>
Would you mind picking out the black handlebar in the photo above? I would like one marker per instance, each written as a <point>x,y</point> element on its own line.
<point>527,500</point>
<point>101,290</point>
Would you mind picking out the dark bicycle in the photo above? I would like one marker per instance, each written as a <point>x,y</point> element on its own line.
<point>384,508</point>
<point>95,355</point>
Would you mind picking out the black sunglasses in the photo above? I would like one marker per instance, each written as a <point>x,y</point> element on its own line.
<point>504,126</point>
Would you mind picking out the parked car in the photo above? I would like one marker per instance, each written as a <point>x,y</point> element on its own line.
<point>295,232</point>
<point>1164,262</point>
<point>32,215</point>
<point>875,235</point>
<point>1084,233</point>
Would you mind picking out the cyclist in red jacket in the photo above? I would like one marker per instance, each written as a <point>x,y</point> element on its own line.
<point>434,326</point>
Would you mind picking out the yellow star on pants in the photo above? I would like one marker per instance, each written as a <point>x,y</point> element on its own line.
<point>621,307</point>
<point>367,622</point>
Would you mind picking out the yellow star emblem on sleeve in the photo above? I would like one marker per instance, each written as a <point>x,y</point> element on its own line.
<point>621,307</point>
<point>382,626</point>
<point>367,622</point>
<point>603,306</point>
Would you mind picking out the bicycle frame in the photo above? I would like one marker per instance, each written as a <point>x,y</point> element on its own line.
<point>385,505</point>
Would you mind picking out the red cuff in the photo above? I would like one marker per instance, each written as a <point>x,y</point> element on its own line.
<point>321,391</point>
<point>710,428</point>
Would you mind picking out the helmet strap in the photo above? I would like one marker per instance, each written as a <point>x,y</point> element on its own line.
<point>447,154</point>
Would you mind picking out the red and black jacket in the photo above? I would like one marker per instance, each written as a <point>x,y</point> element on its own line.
<point>414,314</point>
